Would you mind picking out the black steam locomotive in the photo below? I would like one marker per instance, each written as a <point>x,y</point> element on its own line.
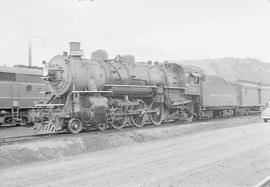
<point>101,93</point>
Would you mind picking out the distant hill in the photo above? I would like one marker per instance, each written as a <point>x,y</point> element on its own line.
<point>234,68</point>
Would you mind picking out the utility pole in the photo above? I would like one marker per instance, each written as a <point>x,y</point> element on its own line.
<point>30,37</point>
<point>30,51</point>
<point>29,43</point>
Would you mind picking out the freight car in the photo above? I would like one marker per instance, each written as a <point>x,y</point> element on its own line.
<point>251,96</point>
<point>265,93</point>
<point>221,98</point>
<point>20,89</point>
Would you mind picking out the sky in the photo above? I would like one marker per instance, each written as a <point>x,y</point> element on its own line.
<point>148,29</point>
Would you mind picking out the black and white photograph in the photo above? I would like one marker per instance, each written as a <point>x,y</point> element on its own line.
<point>135,93</point>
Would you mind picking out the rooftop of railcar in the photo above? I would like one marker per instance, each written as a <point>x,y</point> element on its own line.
<point>18,69</point>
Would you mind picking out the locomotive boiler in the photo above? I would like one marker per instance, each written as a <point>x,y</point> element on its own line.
<point>102,92</point>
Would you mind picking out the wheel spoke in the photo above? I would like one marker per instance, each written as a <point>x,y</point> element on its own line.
<point>157,116</point>
<point>118,124</point>
<point>138,120</point>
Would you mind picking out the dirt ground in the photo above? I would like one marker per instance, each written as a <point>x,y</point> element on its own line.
<point>237,156</point>
<point>63,145</point>
<point>15,131</point>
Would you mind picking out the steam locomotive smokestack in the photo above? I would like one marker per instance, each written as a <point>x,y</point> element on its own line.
<point>75,49</point>
<point>74,46</point>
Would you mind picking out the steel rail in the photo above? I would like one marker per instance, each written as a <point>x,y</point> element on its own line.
<point>18,139</point>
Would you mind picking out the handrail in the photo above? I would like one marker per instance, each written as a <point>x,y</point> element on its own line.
<point>174,87</point>
<point>91,91</point>
<point>49,105</point>
<point>129,85</point>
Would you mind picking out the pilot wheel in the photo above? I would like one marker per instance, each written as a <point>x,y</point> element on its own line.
<point>74,126</point>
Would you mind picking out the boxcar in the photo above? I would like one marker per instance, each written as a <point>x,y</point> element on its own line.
<point>249,96</point>
<point>249,93</point>
<point>265,94</point>
<point>20,89</point>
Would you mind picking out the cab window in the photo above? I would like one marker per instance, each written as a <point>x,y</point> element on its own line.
<point>4,76</point>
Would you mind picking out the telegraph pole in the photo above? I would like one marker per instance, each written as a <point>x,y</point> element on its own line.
<point>29,33</point>
<point>30,47</point>
<point>29,50</point>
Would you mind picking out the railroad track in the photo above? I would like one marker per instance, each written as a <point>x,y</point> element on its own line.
<point>10,140</point>
<point>18,139</point>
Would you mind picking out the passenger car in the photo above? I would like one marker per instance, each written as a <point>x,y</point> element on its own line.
<point>21,88</point>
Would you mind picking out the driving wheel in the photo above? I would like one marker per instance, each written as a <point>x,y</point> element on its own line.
<point>139,119</point>
<point>157,116</point>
